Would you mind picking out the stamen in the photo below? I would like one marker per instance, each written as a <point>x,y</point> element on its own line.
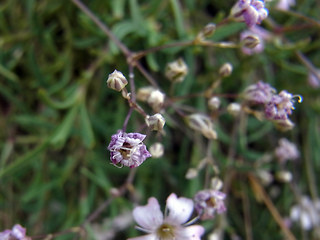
<point>300,98</point>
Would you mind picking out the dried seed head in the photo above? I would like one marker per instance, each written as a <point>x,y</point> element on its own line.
<point>176,70</point>
<point>117,81</point>
<point>155,122</point>
<point>156,150</point>
<point>225,70</point>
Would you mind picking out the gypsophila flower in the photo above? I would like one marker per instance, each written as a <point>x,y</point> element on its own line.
<point>214,103</point>
<point>254,39</point>
<point>156,100</point>
<point>176,70</point>
<point>173,225</point>
<point>286,151</point>
<point>202,124</point>
<point>128,149</point>
<point>280,106</point>
<point>251,12</point>
<point>306,213</point>
<point>259,93</point>
<point>16,233</point>
<point>157,150</point>
<point>209,202</point>
<point>117,81</point>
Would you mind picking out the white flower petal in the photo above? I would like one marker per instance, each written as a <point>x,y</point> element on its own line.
<point>145,237</point>
<point>180,209</point>
<point>193,232</point>
<point>149,216</point>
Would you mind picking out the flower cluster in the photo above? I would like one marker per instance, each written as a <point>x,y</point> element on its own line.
<point>16,233</point>
<point>277,107</point>
<point>128,149</point>
<point>172,225</point>
<point>251,12</point>
<point>286,151</point>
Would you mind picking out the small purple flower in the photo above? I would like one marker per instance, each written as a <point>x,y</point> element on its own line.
<point>280,106</point>
<point>128,149</point>
<point>173,225</point>
<point>259,93</point>
<point>209,202</point>
<point>286,150</point>
<point>16,233</point>
<point>258,32</point>
<point>251,12</point>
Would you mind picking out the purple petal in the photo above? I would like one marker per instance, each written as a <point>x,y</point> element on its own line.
<point>193,232</point>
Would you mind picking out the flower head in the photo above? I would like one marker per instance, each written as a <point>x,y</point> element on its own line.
<point>286,150</point>
<point>209,202</point>
<point>16,233</point>
<point>128,149</point>
<point>251,12</point>
<point>170,226</point>
<point>280,106</point>
<point>259,93</point>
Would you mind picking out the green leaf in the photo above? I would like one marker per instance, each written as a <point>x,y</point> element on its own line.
<point>86,127</point>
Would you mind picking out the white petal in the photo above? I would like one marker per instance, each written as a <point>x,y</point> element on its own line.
<point>145,237</point>
<point>305,221</point>
<point>193,232</point>
<point>149,216</point>
<point>180,209</point>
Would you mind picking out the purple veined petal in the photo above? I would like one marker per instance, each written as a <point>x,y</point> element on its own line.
<point>219,195</point>
<point>149,217</point>
<point>180,209</point>
<point>145,237</point>
<point>139,136</point>
<point>193,232</point>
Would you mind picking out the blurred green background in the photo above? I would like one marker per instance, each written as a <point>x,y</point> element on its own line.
<point>57,115</point>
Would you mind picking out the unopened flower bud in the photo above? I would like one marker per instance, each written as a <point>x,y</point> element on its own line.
<point>234,109</point>
<point>225,70</point>
<point>250,41</point>
<point>284,176</point>
<point>207,31</point>
<point>216,183</point>
<point>214,103</point>
<point>155,122</point>
<point>176,70</point>
<point>156,150</point>
<point>144,93</point>
<point>156,100</point>
<point>203,124</point>
<point>191,173</point>
<point>265,177</point>
<point>283,124</point>
<point>117,81</point>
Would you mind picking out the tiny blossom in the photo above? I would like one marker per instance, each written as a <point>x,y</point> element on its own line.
<point>280,106</point>
<point>214,103</point>
<point>259,93</point>
<point>16,233</point>
<point>117,81</point>
<point>306,213</point>
<point>157,150</point>
<point>144,93</point>
<point>286,150</point>
<point>257,32</point>
<point>234,109</point>
<point>225,70</point>
<point>128,149</point>
<point>176,70</point>
<point>155,122</point>
<point>202,124</point>
<point>156,100</point>
<point>209,202</point>
<point>173,225</point>
<point>251,12</point>
<point>285,4</point>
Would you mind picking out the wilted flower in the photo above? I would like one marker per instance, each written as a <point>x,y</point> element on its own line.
<point>155,122</point>
<point>251,12</point>
<point>16,233</point>
<point>259,93</point>
<point>156,150</point>
<point>306,213</point>
<point>173,225</point>
<point>209,202</point>
<point>286,150</point>
<point>203,124</point>
<point>285,4</point>
<point>176,70</point>
<point>128,149</point>
<point>117,81</point>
